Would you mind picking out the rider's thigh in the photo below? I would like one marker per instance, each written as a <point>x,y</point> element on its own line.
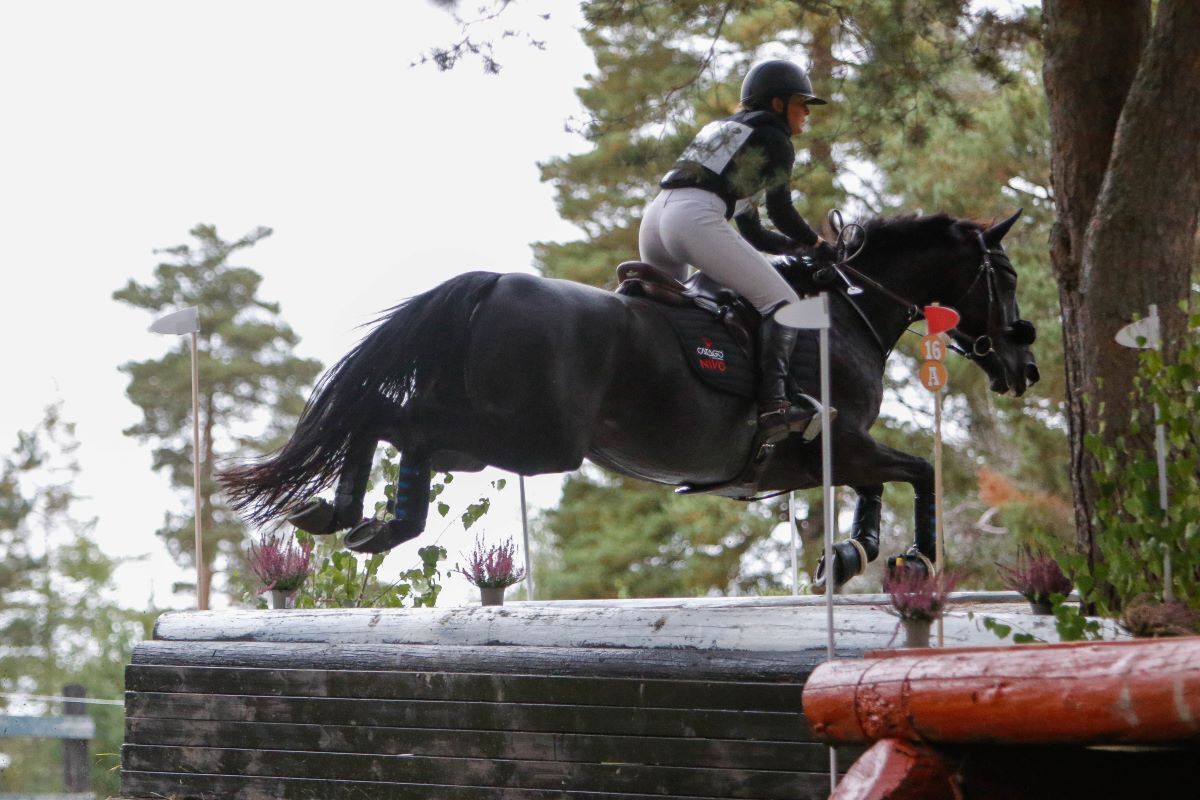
<point>694,230</point>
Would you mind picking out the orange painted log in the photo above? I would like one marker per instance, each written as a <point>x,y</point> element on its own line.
<point>1140,692</point>
<point>896,770</point>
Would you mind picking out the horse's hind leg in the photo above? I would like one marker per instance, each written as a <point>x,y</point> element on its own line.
<point>408,506</point>
<point>851,556</point>
<point>318,516</point>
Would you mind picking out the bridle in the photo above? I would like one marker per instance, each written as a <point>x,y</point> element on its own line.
<point>975,348</point>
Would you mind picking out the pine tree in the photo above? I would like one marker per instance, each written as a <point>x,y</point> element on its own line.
<point>252,386</point>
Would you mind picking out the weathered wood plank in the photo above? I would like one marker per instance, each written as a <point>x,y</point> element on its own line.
<point>766,785</point>
<point>493,688</point>
<point>512,745</point>
<point>785,666</point>
<point>726,626</point>
<point>690,723</point>
<point>182,786</point>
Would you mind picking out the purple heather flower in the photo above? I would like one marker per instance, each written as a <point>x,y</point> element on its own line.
<point>279,563</point>
<point>492,567</point>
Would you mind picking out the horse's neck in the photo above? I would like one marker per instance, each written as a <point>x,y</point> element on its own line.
<point>889,315</point>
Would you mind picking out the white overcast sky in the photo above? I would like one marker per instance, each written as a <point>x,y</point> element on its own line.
<point>126,123</point>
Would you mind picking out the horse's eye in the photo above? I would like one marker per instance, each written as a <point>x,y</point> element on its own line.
<point>1022,332</point>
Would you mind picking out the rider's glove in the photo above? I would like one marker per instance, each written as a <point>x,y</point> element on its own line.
<point>825,252</point>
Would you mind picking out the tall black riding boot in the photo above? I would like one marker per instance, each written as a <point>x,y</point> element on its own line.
<point>777,417</point>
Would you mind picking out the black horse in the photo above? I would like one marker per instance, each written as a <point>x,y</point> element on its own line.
<point>533,375</point>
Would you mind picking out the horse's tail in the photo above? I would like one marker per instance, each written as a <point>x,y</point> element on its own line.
<point>393,365</point>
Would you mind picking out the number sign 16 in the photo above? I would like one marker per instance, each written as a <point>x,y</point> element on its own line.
<point>933,347</point>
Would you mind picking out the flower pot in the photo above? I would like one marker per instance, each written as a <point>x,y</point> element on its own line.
<point>1041,607</point>
<point>916,632</point>
<point>280,598</point>
<point>491,595</point>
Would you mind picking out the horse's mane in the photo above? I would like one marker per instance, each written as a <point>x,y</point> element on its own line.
<point>912,231</point>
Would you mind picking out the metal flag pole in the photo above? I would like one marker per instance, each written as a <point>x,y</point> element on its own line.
<point>827,489</point>
<point>525,532</point>
<point>1147,333</point>
<point>201,590</point>
<point>187,320</point>
<point>791,506</point>
<point>813,312</point>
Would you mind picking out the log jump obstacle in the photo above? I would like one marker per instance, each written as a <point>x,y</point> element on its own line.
<point>612,700</point>
<point>1079,720</point>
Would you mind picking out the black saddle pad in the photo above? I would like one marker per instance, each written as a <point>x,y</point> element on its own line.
<point>717,358</point>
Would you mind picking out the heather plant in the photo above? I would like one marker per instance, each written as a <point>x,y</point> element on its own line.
<point>492,567</point>
<point>279,562</point>
<point>1038,577</point>
<point>916,596</point>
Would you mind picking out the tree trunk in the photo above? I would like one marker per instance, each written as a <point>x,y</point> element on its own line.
<point>1125,128</point>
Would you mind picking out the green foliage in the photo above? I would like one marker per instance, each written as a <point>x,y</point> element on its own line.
<point>1132,534</point>
<point>1070,623</point>
<point>252,388</point>
<point>58,623</point>
<point>938,108</point>
<point>345,580</point>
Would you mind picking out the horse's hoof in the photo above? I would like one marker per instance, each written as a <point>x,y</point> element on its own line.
<point>913,563</point>
<point>374,536</point>
<point>317,516</point>
<point>849,561</point>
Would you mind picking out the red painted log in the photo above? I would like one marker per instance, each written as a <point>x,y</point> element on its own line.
<point>1140,692</point>
<point>898,770</point>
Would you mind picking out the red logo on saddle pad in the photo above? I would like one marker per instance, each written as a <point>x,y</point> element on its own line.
<point>710,357</point>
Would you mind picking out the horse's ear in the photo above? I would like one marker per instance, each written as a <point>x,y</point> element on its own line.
<point>994,234</point>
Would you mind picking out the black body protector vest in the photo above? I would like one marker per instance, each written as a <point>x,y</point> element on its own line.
<point>738,157</point>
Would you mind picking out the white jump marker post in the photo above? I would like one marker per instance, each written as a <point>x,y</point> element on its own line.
<point>187,320</point>
<point>938,320</point>
<point>1147,334</point>
<point>813,312</point>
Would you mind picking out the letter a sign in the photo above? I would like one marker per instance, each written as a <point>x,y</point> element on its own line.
<point>939,319</point>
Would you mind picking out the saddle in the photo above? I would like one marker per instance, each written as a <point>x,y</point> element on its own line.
<point>638,279</point>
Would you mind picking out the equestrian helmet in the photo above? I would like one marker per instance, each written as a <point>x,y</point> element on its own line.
<point>776,78</point>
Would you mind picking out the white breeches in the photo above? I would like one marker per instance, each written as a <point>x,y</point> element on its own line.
<point>684,227</point>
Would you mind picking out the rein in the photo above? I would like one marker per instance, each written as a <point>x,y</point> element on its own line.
<point>981,345</point>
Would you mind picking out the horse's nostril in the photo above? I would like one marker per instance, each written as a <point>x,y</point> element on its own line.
<point>1031,373</point>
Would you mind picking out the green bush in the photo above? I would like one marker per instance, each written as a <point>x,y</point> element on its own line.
<point>1132,535</point>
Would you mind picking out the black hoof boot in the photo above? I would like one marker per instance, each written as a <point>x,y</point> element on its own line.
<point>913,562</point>
<point>318,517</point>
<point>375,536</point>
<point>849,561</point>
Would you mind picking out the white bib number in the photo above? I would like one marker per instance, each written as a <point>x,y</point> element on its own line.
<point>717,143</point>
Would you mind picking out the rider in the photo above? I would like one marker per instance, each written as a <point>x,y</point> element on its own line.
<point>729,162</point>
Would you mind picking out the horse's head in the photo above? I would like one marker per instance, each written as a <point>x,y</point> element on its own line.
<point>991,332</point>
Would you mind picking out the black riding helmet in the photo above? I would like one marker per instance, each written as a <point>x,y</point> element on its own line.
<point>776,78</point>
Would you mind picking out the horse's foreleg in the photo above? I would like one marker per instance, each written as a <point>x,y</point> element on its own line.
<point>869,466</point>
<point>851,556</point>
<point>408,508</point>
<point>318,516</point>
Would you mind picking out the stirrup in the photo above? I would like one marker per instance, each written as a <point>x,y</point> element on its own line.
<point>813,429</point>
<point>777,424</point>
